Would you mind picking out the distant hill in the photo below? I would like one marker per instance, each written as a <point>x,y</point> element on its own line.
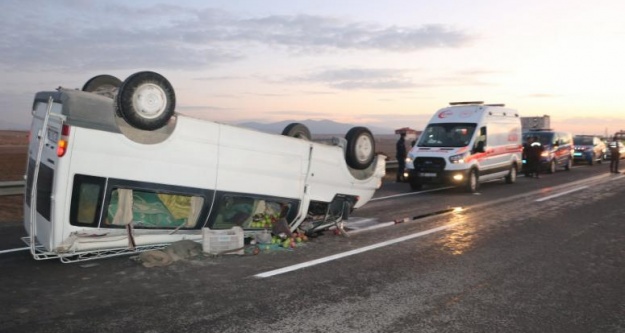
<point>316,127</point>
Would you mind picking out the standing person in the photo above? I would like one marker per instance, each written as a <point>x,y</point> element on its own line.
<point>615,155</point>
<point>400,147</point>
<point>536,150</point>
<point>526,151</point>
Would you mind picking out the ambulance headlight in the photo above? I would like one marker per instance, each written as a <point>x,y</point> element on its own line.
<point>458,158</point>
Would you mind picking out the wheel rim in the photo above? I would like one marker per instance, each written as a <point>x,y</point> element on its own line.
<point>364,148</point>
<point>150,100</point>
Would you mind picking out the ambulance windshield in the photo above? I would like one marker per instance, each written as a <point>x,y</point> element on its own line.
<point>447,135</point>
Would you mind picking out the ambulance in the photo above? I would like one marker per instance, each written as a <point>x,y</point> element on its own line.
<point>465,144</point>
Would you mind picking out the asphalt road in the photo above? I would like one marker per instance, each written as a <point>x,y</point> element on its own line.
<point>542,255</point>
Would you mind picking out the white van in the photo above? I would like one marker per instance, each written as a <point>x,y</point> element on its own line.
<point>113,170</point>
<point>465,144</point>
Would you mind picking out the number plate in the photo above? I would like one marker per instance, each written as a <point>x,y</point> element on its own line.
<point>427,174</point>
<point>577,154</point>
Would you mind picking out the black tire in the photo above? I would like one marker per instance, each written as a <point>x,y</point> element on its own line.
<point>415,185</point>
<point>297,130</point>
<point>146,100</point>
<point>511,177</point>
<point>360,148</point>
<point>569,165</point>
<point>105,85</point>
<point>472,181</point>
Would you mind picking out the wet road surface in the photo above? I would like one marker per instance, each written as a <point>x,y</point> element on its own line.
<point>541,255</point>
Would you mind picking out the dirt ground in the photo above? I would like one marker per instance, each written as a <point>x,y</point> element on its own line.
<point>13,147</point>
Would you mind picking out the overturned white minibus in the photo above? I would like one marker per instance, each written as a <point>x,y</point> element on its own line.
<point>112,169</point>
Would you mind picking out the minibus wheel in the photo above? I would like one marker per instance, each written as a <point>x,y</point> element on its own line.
<point>104,85</point>
<point>297,130</point>
<point>146,100</point>
<point>360,148</point>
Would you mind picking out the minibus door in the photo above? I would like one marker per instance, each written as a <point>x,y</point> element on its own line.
<point>46,130</point>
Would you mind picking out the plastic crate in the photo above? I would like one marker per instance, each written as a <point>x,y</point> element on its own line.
<point>229,241</point>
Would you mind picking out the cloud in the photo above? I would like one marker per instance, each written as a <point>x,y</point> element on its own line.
<point>78,35</point>
<point>392,79</point>
<point>360,78</point>
<point>542,95</point>
<point>16,109</point>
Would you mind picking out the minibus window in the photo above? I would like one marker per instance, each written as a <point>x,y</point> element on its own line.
<point>88,203</point>
<point>249,212</point>
<point>150,209</point>
<point>86,200</point>
<point>447,135</point>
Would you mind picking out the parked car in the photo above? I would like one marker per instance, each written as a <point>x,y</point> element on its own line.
<point>558,149</point>
<point>621,149</point>
<point>588,149</point>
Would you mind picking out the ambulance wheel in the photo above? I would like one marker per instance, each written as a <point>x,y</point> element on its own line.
<point>146,100</point>
<point>360,148</point>
<point>472,181</point>
<point>297,130</point>
<point>511,177</point>
<point>552,167</point>
<point>105,85</point>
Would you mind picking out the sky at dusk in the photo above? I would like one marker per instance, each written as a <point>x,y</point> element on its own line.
<point>374,63</point>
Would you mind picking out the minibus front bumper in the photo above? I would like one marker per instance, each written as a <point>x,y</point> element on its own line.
<point>454,177</point>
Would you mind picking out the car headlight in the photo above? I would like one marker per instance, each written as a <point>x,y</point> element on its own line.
<point>456,159</point>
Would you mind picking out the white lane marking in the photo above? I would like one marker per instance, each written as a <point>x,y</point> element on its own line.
<point>561,193</point>
<point>351,252</point>
<point>411,193</point>
<point>14,250</point>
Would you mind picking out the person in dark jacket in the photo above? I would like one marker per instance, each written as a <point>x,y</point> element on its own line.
<point>615,155</point>
<point>526,150</point>
<point>533,156</point>
<point>401,154</point>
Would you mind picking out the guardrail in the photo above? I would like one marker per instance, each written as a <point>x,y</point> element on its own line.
<point>17,187</point>
<point>12,187</point>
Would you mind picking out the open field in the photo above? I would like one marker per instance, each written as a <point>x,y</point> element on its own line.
<point>13,147</point>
